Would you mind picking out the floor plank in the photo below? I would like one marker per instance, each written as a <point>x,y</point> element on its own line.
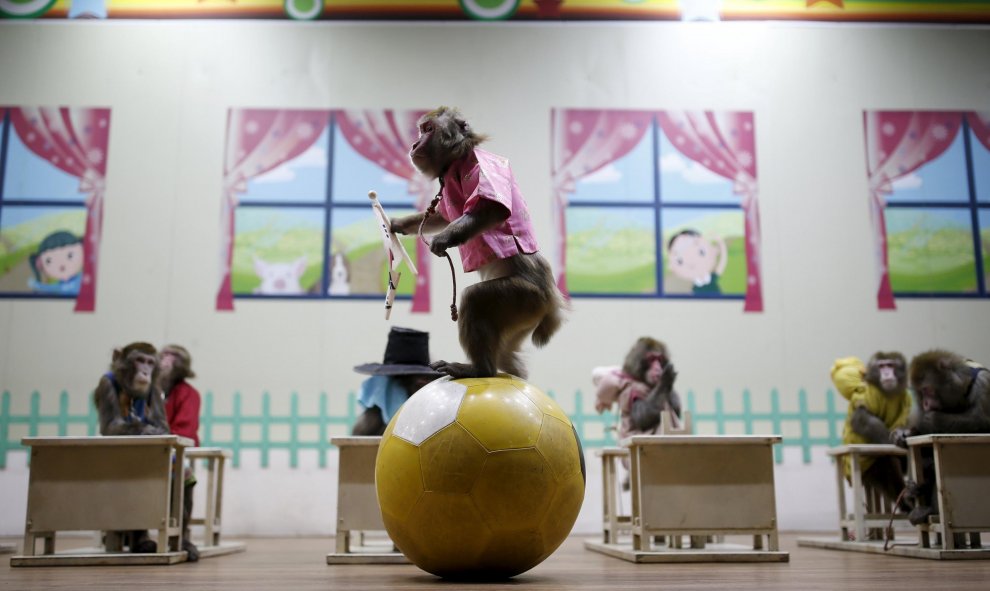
<point>300,564</point>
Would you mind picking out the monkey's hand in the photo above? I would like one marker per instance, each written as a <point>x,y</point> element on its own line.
<point>898,436</point>
<point>153,430</point>
<point>440,243</point>
<point>407,224</point>
<point>667,378</point>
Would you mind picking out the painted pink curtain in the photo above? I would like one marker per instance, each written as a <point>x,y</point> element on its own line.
<point>583,141</point>
<point>724,143</point>
<point>384,137</point>
<point>74,140</point>
<point>979,122</point>
<point>258,140</point>
<point>898,143</point>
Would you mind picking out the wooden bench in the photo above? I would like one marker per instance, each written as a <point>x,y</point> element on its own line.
<point>614,520</point>
<point>357,506</point>
<point>871,511</point>
<point>215,459</point>
<point>104,483</point>
<point>962,481</point>
<point>700,486</point>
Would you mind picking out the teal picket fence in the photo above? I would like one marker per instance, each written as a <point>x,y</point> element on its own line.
<point>802,427</point>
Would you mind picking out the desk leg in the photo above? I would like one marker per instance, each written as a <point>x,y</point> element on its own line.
<point>641,541</point>
<point>218,501</point>
<point>859,499</point>
<point>914,469</point>
<point>840,480</point>
<point>208,534</point>
<point>948,533</point>
<point>343,541</point>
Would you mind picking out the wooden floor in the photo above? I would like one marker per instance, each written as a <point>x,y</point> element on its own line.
<point>300,564</point>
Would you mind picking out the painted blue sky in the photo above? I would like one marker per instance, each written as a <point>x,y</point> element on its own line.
<point>941,180</point>
<point>27,176</point>
<point>927,219</point>
<point>13,216</point>
<point>631,178</point>
<point>304,178</point>
<point>981,168</point>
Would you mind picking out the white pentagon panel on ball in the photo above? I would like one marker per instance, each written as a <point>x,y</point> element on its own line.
<point>430,409</point>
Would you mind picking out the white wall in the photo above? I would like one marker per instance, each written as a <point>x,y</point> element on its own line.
<point>169,85</point>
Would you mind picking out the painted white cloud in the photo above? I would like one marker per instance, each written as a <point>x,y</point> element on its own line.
<point>607,174</point>
<point>315,157</point>
<point>392,179</point>
<point>910,181</point>
<point>691,171</point>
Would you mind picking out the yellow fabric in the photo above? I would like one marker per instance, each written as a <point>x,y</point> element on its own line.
<point>848,375</point>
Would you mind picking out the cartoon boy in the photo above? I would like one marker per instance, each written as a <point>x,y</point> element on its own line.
<point>58,264</point>
<point>698,260</point>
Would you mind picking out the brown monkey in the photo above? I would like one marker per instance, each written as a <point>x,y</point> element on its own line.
<point>182,402</point>
<point>951,395</point>
<point>649,362</point>
<point>129,403</point>
<point>879,404</point>
<point>127,397</point>
<point>481,210</point>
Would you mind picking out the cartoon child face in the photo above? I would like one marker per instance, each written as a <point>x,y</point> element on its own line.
<point>62,263</point>
<point>692,257</point>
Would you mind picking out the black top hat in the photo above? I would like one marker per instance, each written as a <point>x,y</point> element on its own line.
<point>407,353</point>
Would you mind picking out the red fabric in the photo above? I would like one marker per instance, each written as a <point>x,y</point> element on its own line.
<point>182,411</point>
<point>384,137</point>
<point>75,140</point>
<point>979,122</point>
<point>897,143</point>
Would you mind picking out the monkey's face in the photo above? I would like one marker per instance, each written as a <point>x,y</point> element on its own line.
<point>424,150</point>
<point>143,366</point>
<point>940,392</point>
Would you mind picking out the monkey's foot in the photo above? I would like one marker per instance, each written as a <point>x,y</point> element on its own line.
<point>459,370</point>
<point>920,514</point>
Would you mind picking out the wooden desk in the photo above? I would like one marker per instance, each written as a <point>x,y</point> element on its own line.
<point>215,459</point>
<point>357,505</point>
<point>104,483</point>
<point>701,486</point>
<point>962,484</point>
<point>870,510</point>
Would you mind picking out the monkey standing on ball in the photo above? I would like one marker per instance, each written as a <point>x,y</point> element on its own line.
<point>951,395</point>
<point>879,403</point>
<point>481,210</point>
<point>129,403</point>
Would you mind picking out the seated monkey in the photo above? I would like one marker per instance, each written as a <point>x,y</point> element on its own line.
<point>405,369</point>
<point>879,404</point>
<point>129,403</point>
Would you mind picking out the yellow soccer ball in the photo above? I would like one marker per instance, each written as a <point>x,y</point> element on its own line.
<point>479,478</point>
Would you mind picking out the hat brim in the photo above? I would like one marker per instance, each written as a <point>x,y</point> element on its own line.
<point>396,369</point>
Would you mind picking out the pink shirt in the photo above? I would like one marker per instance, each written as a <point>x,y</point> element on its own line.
<point>483,175</point>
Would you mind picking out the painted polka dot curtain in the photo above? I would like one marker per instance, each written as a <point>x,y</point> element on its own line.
<point>73,140</point>
<point>258,140</point>
<point>385,137</point>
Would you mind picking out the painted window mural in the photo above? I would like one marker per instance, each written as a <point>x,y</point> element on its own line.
<point>929,175</point>
<point>297,217</point>
<point>52,170</point>
<point>657,204</point>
